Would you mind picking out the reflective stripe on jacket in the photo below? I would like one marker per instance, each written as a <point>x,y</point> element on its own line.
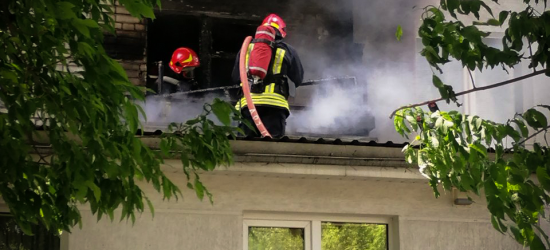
<point>269,96</point>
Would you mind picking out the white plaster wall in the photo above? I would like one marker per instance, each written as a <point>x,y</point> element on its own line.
<point>167,230</point>
<point>424,222</point>
<point>419,235</point>
<point>397,75</point>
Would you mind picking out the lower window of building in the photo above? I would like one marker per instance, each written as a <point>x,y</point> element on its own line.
<point>314,235</point>
<point>260,238</point>
<point>336,236</point>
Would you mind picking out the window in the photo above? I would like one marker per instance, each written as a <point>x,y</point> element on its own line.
<point>317,233</point>
<point>276,237</point>
<point>12,237</point>
<point>335,236</point>
<point>216,40</point>
<point>288,235</point>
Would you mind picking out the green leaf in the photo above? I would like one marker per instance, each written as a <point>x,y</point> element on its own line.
<point>452,5</point>
<point>64,11</point>
<point>544,178</point>
<point>537,244</point>
<point>164,147</point>
<point>479,148</point>
<point>397,121</point>
<point>502,16</point>
<point>535,118</point>
<point>522,127</point>
<point>111,214</point>
<point>199,189</point>
<point>437,82</point>
<point>478,122</point>
<point>79,25</point>
<point>411,120</point>
<point>439,122</point>
<point>81,193</point>
<point>542,232</point>
<point>432,51</point>
<point>138,9</point>
<point>517,234</point>
<point>510,131</point>
<point>473,34</point>
<point>150,205</point>
<point>26,227</point>
<point>497,224</point>
<point>399,33</point>
<point>86,49</point>
<point>166,188</point>
<point>89,23</point>
<point>147,12</point>
<point>486,8</point>
<point>65,89</point>
<point>493,22</point>
<point>95,189</point>
<point>9,75</point>
<point>222,111</point>
<point>435,142</point>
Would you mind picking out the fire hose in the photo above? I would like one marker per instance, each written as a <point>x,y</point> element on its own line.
<point>246,90</point>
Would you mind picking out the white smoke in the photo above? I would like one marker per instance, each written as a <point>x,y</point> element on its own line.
<point>161,111</point>
<point>332,109</point>
<point>390,73</point>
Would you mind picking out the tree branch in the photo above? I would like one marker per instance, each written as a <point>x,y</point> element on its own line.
<point>472,78</point>
<point>533,135</point>
<point>472,90</point>
<point>42,157</point>
<point>531,52</point>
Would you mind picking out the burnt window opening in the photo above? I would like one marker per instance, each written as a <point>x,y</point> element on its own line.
<point>124,46</point>
<point>215,40</point>
<point>323,38</point>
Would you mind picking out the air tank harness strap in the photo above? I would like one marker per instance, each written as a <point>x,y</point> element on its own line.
<point>260,40</point>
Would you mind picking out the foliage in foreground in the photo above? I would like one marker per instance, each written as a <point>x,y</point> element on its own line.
<point>54,69</point>
<point>451,149</point>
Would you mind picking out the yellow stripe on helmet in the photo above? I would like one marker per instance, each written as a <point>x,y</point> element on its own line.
<point>188,59</point>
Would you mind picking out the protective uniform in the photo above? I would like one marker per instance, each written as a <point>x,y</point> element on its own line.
<point>271,95</point>
<point>183,62</point>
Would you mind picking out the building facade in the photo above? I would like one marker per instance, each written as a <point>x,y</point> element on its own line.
<point>307,186</point>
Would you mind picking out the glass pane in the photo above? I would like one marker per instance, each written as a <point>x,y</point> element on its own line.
<point>275,238</point>
<point>336,236</point>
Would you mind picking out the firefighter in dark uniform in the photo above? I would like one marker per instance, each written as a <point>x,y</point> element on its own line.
<point>271,96</point>
<point>181,78</point>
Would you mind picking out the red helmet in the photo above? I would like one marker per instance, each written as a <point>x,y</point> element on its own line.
<point>276,22</point>
<point>183,58</point>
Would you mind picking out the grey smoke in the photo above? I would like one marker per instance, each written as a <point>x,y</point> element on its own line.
<point>162,111</point>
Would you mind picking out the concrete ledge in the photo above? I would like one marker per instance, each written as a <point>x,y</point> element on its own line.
<point>290,170</point>
<point>241,147</point>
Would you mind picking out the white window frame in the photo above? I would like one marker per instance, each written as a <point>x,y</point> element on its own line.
<point>306,225</point>
<point>312,225</point>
